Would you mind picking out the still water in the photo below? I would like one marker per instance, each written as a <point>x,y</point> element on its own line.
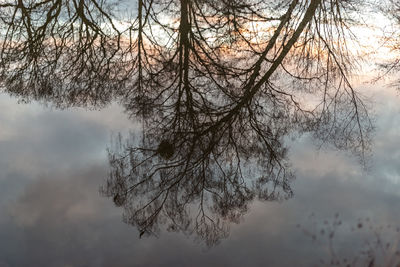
<point>53,163</point>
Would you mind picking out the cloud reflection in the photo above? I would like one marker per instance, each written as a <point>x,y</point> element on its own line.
<point>56,217</point>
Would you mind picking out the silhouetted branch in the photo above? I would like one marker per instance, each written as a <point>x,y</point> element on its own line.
<point>217,85</point>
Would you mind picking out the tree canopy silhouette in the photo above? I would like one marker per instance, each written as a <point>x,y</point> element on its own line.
<point>217,85</point>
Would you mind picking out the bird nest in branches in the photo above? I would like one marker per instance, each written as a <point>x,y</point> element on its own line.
<point>165,149</point>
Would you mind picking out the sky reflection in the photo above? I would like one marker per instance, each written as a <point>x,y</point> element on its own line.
<point>51,213</point>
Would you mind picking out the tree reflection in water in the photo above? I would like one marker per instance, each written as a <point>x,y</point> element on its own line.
<point>217,86</point>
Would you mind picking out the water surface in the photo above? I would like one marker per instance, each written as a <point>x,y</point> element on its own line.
<point>53,163</point>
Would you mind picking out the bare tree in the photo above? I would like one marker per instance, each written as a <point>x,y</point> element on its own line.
<point>63,51</point>
<point>218,86</point>
<point>390,40</point>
